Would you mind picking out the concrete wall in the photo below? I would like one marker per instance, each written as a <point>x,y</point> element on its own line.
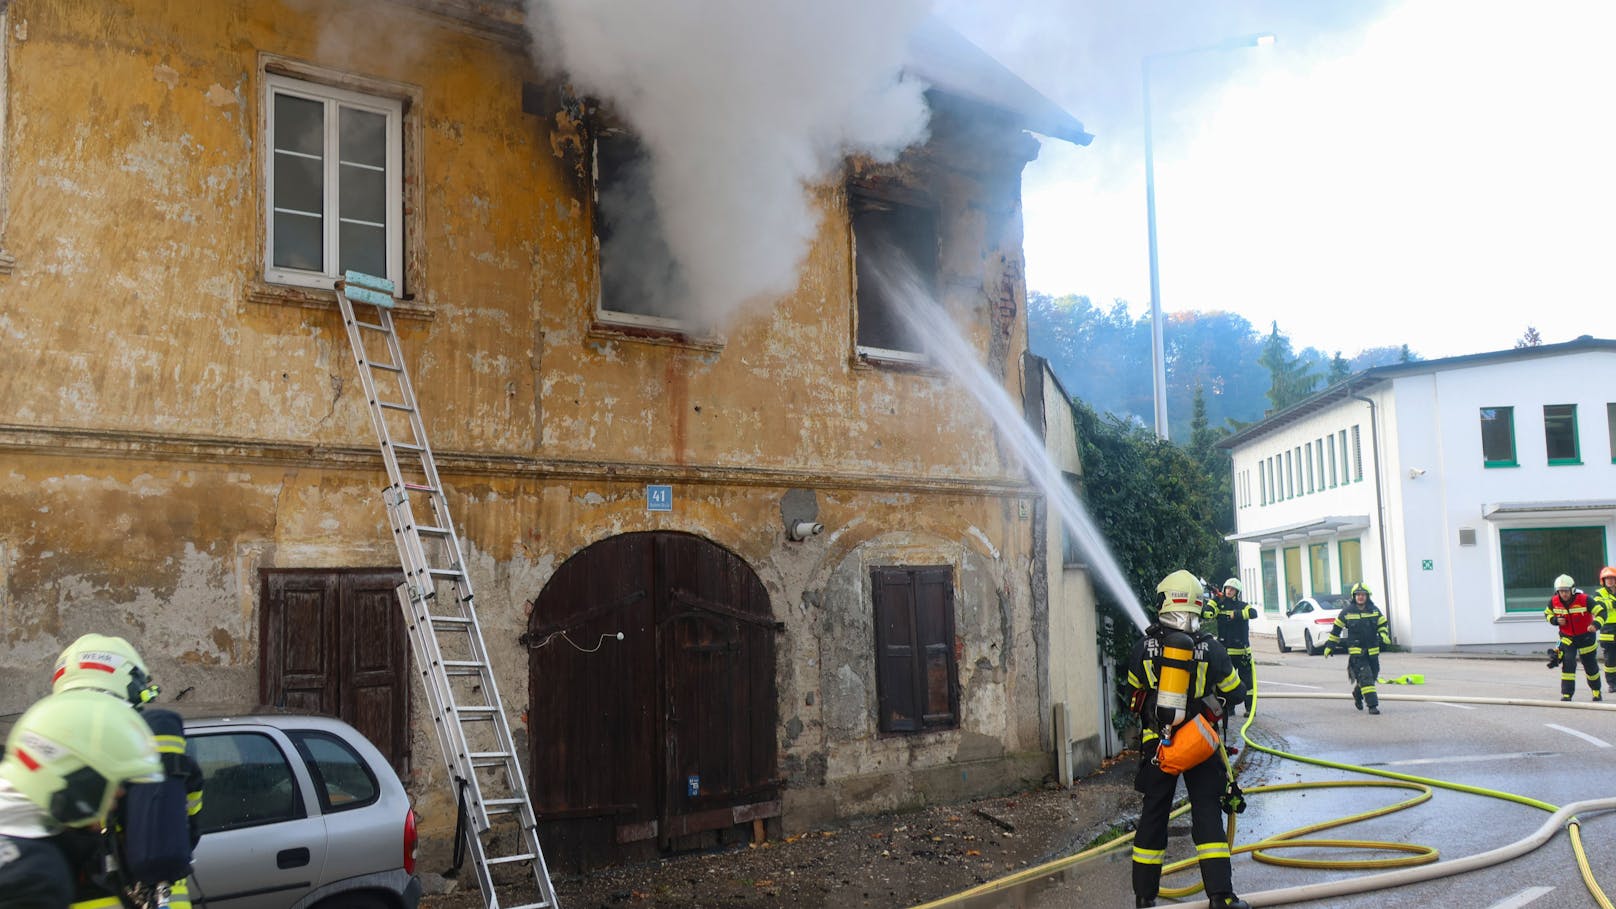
<point>175,423</point>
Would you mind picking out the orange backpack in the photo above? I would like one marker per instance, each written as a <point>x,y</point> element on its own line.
<point>1192,743</point>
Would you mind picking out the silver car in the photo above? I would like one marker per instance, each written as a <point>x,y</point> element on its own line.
<point>299,811</point>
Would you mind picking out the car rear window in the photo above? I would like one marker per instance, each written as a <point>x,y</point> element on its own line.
<point>1332,601</point>
<point>247,781</point>
<point>341,777</point>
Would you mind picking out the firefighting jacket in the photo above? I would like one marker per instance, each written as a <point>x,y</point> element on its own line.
<point>1213,672</point>
<point>1574,616</point>
<point>1234,624</point>
<point>1359,630</point>
<point>1604,615</point>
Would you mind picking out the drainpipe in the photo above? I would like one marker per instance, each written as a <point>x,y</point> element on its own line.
<point>1380,501</point>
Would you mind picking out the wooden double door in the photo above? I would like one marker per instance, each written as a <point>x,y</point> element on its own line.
<point>332,641</point>
<point>666,738</point>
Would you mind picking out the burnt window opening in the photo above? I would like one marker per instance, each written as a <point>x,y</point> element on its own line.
<point>640,281</point>
<point>893,240</point>
<point>917,678</point>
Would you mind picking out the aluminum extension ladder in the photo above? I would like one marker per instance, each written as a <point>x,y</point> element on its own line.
<point>438,610</point>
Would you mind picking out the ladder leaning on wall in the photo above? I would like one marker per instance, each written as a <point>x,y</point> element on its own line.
<point>439,613</point>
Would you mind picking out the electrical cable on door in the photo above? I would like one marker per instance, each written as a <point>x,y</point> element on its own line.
<point>563,636</point>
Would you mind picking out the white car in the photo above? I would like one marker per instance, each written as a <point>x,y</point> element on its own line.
<point>1308,622</point>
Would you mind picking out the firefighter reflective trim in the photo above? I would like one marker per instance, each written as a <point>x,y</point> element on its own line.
<point>1200,676</point>
<point>1568,676</point>
<point>99,902</point>
<point>1367,689</point>
<point>170,744</point>
<point>1204,851</point>
<point>179,895</point>
<point>1231,681</point>
<point>1239,651</point>
<point>1144,856</point>
<point>1589,649</point>
<point>193,802</point>
<point>1133,680</point>
<point>1359,651</point>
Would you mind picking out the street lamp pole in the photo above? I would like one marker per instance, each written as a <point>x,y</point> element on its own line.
<point>1158,347</point>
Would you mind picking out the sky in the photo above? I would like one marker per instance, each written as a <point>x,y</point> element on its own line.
<point>1429,172</point>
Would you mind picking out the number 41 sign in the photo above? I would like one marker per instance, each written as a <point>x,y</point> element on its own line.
<point>659,498</point>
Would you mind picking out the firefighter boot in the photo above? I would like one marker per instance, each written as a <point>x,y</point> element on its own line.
<point>1228,901</point>
<point>1357,697</point>
<point>1141,901</point>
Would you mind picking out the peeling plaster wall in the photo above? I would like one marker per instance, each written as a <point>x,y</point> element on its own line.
<point>175,425</point>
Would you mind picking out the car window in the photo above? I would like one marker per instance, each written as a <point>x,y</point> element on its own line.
<point>1333,602</point>
<point>1301,607</point>
<point>341,777</point>
<point>246,781</point>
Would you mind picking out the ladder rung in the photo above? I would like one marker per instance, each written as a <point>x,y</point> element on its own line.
<point>488,757</point>
<point>505,804</point>
<point>385,367</point>
<point>406,446</point>
<point>476,711</point>
<point>462,667</point>
<point>445,573</point>
<point>507,859</point>
<point>539,905</point>
<point>393,405</point>
<point>437,531</point>
<point>371,325</point>
<point>420,487</point>
<point>449,620</point>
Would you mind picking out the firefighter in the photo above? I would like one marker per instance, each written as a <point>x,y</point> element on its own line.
<point>1364,626</point>
<point>1568,609</point>
<point>1604,614</point>
<point>1173,673</point>
<point>1234,617</point>
<point>66,760</point>
<point>155,825</point>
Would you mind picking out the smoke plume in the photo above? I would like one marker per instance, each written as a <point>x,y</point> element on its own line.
<point>742,107</point>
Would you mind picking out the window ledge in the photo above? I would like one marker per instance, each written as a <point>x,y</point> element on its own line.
<point>874,360</point>
<point>311,298</point>
<point>1491,464</point>
<point>1564,462</point>
<point>644,334</point>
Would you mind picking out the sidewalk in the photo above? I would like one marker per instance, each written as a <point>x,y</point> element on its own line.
<point>887,861</point>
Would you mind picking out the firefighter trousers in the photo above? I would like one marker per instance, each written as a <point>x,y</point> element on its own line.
<point>1581,649</point>
<point>1610,664</point>
<point>1364,671</point>
<point>1205,783</point>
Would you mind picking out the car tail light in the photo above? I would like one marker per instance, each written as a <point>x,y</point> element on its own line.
<point>1324,621</point>
<point>409,841</point>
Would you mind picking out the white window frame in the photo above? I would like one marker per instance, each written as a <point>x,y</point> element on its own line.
<point>603,312</point>
<point>393,109</point>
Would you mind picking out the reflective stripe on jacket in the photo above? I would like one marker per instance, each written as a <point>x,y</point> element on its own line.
<point>1364,628</point>
<point>1574,616</point>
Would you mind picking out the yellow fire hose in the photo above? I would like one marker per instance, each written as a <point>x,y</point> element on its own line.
<point>1263,850</point>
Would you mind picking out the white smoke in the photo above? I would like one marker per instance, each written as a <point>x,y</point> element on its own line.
<point>743,106</point>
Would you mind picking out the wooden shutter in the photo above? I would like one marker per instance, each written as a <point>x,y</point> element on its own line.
<point>916,679</point>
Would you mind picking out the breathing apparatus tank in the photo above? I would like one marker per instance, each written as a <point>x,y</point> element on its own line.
<point>1180,612</point>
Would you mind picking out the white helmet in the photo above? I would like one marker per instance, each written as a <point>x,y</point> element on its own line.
<point>69,753</point>
<point>1181,596</point>
<point>1564,582</point>
<point>1235,583</point>
<point>104,663</point>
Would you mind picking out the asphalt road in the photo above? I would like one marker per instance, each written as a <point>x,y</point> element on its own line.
<point>1537,749</point>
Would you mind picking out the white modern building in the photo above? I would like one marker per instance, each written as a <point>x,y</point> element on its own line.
<point>1456,489</point>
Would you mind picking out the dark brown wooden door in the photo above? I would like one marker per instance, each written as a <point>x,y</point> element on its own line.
<point>670,732</point>
<point>332,642</point>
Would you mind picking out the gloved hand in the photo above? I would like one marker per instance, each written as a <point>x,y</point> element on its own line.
<point>1555,620</point>
<point>1329,652</point>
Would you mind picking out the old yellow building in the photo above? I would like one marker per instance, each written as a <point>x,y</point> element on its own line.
<point>185,458</point>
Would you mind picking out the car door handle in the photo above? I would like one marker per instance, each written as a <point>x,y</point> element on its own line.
<point>292,858</point>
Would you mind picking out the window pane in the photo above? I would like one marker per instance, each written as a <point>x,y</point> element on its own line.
<point>246,779</point>
<point>1533,557</point>
<point>1610,427</point>
<point>1318,555</point>
<point>1350,553</point>
<point>1293,574</point>
<point>340,775</point>
<point>362,135</point>
<point>1309,467</point>
<point>1560,431</point>
<point>299,184</point>
<point>1270,581</point>
<point>363,248</point>
<point>1498,435</point>
<point>638,274</point>
<point>1332,462</point>
<point>1357,456</point>
<point>882,232</point>
<point>299,125</point>
<point>299,242</point>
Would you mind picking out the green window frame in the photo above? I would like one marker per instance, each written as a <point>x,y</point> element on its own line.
<point>1262,483</point>
<point>1293,575</point>
<point>1560,434</point>
<point>1498,437</point>
<point>1349,558</point>
<point>1270,582</point>
<point>1532,557</point>
<point>1318,557</point>
<point>1332,462</point>
<point>1610,428</point>
<point>1309,457</point>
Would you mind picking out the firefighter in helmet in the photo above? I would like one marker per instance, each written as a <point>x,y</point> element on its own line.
<point>109,665</point>
<point>1605,622</point>
<point>1364,627</point>
<point>67,758</point>
<point>1568,609</point>
<point>1173,674</point>
<point>1234,617</point>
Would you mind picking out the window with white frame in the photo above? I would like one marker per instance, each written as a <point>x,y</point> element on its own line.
<point>334,174</point>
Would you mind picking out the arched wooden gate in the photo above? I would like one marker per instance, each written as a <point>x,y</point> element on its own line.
<point>665,739</point>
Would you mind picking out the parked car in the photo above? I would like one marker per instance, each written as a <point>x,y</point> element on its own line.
<point>298,812</point>
<point>1308,622</point>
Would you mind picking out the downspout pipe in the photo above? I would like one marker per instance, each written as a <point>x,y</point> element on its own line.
<point>1380,496</point>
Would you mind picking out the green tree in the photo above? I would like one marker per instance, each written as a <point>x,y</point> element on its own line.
<point>1530,339</point>
<point>1339,369</point>
<point>1290,380</point>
